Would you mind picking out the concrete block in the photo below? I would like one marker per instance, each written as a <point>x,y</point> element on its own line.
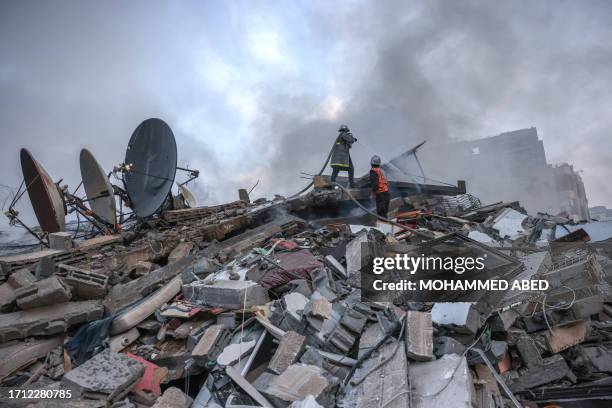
<point>48,320</point>
<point>61,240</point>
<point>83,283</point>
<point>289,349</point>
<point>45,292</point>
<point>107,375</point>
<point>529,352</point>
<point>173,398</point>
<point>562,338</point>
<point>297,382</point>
<point>419,336</point>
<point>227,294</point>
<point>320,308</point>
<point>19,279</point>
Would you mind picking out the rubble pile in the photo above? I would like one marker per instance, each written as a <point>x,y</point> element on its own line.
<point>260,304</point>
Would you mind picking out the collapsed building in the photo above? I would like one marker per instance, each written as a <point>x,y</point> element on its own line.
<point>260,303</point>
<point>512,166</point>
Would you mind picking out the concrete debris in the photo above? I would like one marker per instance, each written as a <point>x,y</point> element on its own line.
<point>46,292</point>
<point>288,352</point>
<point>20,279</point>
<point>297,382</point>
<point>446,382</point>
<point>419,336</point>
<point>459,317</point>
<point>208,341</point>
<point>227,294</point>
<point>550,369</point>
<point>84,284</point>
<point>61,240</point>
<point>15,355</point>
<point>108,375</point>
<point>47,320</point>
<point>173,398</point>
<point>262,303</point>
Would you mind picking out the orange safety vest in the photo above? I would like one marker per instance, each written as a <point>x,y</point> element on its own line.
<point>383,184</point>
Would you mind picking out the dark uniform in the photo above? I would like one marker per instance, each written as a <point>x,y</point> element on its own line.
<point>341,157</point>
<point>380,187</point>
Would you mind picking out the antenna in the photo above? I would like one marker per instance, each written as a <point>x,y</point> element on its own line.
<point>99,191</point>
<point>44,194</point>
<point>150,167</point>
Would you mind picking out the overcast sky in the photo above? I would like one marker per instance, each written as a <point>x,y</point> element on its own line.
<point>256,90</point>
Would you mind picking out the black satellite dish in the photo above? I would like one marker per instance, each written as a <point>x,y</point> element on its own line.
<point>150,166</point>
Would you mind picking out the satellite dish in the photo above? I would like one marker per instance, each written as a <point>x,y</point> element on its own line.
<point>188,196</point>
<point>45,197</point>
<point>98,188</point>
<point>151,166</point>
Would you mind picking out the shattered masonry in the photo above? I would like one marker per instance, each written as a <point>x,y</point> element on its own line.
<point>259,304</point>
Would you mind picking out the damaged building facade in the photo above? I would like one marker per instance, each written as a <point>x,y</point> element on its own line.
<point>511,166</point>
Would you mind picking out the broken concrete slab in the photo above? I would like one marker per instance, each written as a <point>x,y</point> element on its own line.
<point>49,291</point>
<point>419,336</point>
<point>19,279</point>
<point>173,398</point>
<point>108,375</point>
<point>228,294</point>
<point>441,383</point>
<point>48,320</point>
<point>382,380</point>
<point>15,355</point>
<point>297,382</point>
<point>288,352</point>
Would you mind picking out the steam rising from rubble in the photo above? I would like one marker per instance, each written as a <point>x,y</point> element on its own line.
<point>256,93</point>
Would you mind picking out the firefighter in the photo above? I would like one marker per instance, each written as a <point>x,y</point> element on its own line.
<point>380,187</point>
<point>341,157</point>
